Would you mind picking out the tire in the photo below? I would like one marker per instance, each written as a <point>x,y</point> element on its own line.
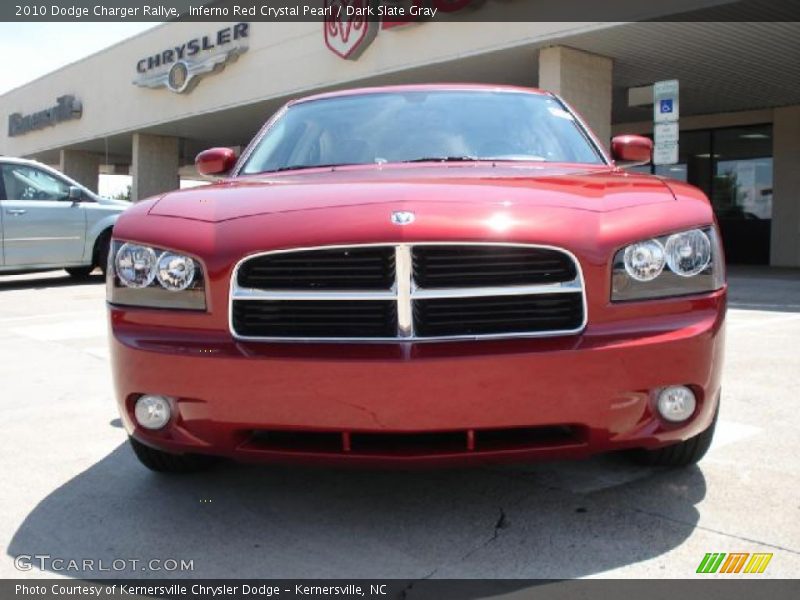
<point>101,249</point>
<point>79,272</point>
<point>164,462</point>
<point>681,454</point>
<point>99,257</point>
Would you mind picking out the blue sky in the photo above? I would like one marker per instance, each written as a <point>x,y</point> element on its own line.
<point>31,50</point>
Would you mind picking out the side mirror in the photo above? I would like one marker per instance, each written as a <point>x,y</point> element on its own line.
<point>215,161</point>
<point>75,193</point>
<point>632,150</point>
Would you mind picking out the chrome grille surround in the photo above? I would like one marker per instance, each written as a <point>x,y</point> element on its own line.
<point>404,291</point>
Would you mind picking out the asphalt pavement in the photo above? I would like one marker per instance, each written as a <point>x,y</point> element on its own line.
<point>72,488</point>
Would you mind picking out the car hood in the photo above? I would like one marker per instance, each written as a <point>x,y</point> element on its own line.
<point>583,188</point>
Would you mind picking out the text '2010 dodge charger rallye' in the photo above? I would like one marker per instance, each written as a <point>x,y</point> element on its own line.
<point>419,274</point>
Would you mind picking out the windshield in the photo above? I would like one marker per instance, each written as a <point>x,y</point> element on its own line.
<point>418,126</point>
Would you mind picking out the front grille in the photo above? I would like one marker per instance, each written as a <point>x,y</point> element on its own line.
<point>475,266</point>
<point>425,291</point>
<point>496,315</point>
<point>315,318</point>
<point>366,268</point>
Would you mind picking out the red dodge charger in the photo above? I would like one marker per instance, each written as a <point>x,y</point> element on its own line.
<point>419,275</point>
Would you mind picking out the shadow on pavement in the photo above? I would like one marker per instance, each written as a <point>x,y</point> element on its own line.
<point>558,520</point>
<point>49,279</point>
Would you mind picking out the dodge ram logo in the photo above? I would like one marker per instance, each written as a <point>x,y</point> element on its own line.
<point>348,31</point>
<point>403,217</point>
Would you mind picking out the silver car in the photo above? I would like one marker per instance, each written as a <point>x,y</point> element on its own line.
<point>49,221</point>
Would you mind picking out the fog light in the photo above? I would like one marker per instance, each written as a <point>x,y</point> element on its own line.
<point>676,403</point>
<point>152,412</point>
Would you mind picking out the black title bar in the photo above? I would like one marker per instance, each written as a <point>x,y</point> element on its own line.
<point>733,588</point>
<point>400,11</point>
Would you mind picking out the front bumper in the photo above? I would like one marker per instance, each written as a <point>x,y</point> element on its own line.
<point>453,402</point>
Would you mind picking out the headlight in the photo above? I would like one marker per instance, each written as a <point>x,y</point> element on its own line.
<point>141,275</point>
<point>688,253</point>
<point>644,261</point>
<point>135,265</point>
<point>687,262</point>
<point>175,272</point>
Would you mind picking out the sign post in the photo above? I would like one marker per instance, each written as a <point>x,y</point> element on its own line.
<point>666,112</point>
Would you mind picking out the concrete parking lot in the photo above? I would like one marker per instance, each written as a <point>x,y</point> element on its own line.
<point>72,488</point>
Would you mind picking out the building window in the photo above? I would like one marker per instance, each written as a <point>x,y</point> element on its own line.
<point>743,172</point>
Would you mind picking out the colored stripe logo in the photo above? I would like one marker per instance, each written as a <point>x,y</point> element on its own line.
<point>734,562</point>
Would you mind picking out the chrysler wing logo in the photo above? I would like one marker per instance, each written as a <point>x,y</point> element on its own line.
<point>348,31</point>
<point>183,75</point>
<point>403,217</point>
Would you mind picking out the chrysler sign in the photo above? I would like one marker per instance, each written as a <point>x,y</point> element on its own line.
<point>180,67</point>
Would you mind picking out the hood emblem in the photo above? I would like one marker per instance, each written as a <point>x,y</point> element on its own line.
<point>403,217</point>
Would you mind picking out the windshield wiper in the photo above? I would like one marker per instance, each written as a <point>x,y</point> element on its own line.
<point>443,159</point>
<point>464,158</point>
<point>467,158</point>
<point>298,167</point>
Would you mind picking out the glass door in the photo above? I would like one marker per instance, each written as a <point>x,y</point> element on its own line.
<point>742,191</point>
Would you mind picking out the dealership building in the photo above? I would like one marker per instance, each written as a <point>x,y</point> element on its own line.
<point>147,105</point>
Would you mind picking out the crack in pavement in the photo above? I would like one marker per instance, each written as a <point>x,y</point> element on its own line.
<point>527,479</point>
<point>502,522</point>
<point>406,590</point>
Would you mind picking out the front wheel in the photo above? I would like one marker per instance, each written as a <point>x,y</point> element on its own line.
<point>164,462</point>
<point>102,249</point>
<point>681,454</point>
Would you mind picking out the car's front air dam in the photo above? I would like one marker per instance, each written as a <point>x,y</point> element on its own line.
<point>597,385</point>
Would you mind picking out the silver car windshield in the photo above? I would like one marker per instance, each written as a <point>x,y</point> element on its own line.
<point>389,127</point>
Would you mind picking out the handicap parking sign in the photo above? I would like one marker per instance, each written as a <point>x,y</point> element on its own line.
<point>666,106</point>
